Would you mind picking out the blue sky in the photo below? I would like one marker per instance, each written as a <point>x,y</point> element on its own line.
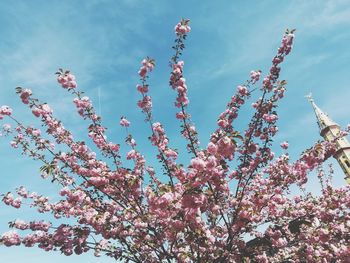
<point>103,41</point>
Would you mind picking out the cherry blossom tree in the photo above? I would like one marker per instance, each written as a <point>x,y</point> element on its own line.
<point>231,203</point>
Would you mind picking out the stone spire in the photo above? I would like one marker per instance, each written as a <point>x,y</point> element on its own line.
<point>330,130</point>
<point>323,119</point>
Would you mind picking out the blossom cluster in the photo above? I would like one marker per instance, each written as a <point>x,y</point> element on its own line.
<point>183,28</point>
<point>5,111</point>
<point>66,79</point>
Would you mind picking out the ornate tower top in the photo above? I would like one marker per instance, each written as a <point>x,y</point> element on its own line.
<point>323,119</point>
<point>329,130</point>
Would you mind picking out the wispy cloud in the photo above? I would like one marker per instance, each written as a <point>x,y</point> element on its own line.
<point>261,33</point>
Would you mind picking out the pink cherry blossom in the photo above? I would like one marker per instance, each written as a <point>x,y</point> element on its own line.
<point>5,110</point>
<point>66,79</point>
<point>11,238</point>
<point>284,145</point>
<point>124,122</point>
<point>182,27</point>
